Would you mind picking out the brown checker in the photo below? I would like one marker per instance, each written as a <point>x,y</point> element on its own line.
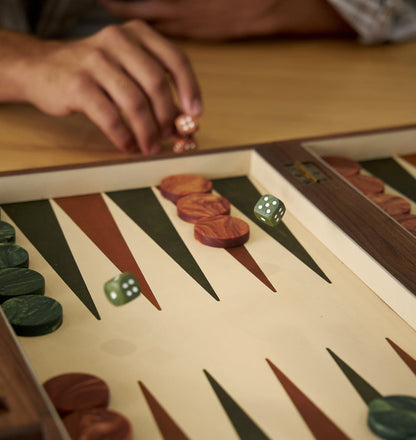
<point>179,185</point>
<point>71,392</point>
<point>392,204</point>
<point>222,231</point>
<point>367,184</point>
<point>408,221</point>
<point>97,424</point>
<point>197,206</point>
<point>344,165</point>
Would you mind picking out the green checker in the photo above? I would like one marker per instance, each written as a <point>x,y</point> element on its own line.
<point>7,233</point>
<point>269,210</point>
<point>18,281</point>
<point>122,289</point>
<point>12,255</point>
<point>33,315</point>
<point>393,417</point>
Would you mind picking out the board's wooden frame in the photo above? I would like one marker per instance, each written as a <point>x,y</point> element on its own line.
<point>340,214</point>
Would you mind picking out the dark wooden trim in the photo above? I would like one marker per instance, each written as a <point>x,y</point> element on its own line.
<point>350,134</point>
<point>372,229</point>
<point>130,159</point>
<point>170,155</point>
<point>24,413</point>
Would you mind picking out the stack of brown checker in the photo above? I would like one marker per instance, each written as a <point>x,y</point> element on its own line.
<point>213,226</point>
<point>373,187</point>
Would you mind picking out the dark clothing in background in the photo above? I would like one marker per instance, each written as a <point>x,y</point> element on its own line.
<point>53,18</point>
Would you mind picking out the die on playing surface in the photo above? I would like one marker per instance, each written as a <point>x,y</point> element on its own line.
<point>122,289</point>
<point>269,210</point>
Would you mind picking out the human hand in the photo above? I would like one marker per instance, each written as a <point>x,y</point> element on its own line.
<point>120,78</point>
<point>231,19</point>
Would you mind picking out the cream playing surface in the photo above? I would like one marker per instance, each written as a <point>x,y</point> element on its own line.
<point>195,345</point>
<point>168,350</point>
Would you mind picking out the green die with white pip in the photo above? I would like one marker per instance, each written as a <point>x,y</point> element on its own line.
<point>122,289</point>
<point>269,210</point>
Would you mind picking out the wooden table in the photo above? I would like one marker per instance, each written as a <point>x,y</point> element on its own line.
<point>253,92</point>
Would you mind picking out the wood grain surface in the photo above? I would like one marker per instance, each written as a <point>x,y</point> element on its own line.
<point>222,231</point>
<point>344,165</point>
<point>367,225</point>
<point>98,423</point>
<point>367,184</point>
<point>179,185</point>
<point>392,204</point>
<point>24,413</point>
<point>253,92</point>
<point>408,221</point>
<point>72,392</point>
<point>194,207</point>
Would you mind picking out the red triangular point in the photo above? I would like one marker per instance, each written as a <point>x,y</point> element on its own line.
<point>167,426</point>
<point>92,215</point>
<point>406,358</point>
<point>241,254</point>
<point>321,426</point>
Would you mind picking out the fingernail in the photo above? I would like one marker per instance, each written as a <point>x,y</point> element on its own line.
<point>196,107</point>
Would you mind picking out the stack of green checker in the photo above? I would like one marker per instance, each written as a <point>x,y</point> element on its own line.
<point>22,290</point>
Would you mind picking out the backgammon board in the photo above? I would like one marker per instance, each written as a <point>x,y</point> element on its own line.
<point>289,336</point>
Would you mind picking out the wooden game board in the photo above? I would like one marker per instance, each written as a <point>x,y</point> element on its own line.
<point>294,347</point>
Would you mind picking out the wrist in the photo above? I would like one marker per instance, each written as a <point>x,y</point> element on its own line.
<point>18,55</point>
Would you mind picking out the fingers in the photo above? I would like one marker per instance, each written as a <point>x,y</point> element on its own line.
<point>175,62</point>
<point>90,99</point>
<point>141,86</point>
<point>148,115</point>
<point>121,78</point>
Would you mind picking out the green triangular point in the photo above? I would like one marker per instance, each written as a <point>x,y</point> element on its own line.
<point>244,195</point>
<point>246,428</point>
<point>142,206</point>
<point>363,388</point>
<point>39,224</point>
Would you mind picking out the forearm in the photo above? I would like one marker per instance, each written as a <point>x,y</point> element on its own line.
<point>310,17</point>
<point>233,19</point>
